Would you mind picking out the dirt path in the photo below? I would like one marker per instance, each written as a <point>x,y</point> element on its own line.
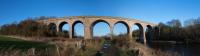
<point>111,51</point>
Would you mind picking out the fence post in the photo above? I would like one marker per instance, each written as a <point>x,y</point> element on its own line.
<point>57,48</point>
<point>33,51</point>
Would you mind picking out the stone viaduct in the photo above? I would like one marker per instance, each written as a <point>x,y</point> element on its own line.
<point>90,21</point>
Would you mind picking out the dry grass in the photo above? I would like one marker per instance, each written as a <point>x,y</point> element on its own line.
<point>80,47</point>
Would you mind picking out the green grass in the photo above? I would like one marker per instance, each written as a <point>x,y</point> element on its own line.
<point>5,38</point>
<point>14,43</point>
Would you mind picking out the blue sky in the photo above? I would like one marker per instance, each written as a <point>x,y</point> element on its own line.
<point>148,10</point>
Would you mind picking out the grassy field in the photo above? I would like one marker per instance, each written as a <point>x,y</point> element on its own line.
<point>17,47</point>
<point>14,43</point>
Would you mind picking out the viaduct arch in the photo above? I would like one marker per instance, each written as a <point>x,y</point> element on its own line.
<point>73,26</point>
<point>90,21</point>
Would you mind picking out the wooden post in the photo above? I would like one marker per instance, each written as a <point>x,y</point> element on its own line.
<point>57,49</point>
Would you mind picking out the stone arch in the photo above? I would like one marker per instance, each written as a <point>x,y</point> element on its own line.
<point>52,26</point>
<point>141,30</point>
<point>148,33</point>
<point>155,32</point>
<point>127,26</point>
<point>95,22</point>
<point>62,33</point>
<point>73,25</point>
<point>52,30</point>
<point>149,26</point>
<point>62,24</point>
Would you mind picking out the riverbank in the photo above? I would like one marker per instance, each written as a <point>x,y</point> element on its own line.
<point>189,42</point>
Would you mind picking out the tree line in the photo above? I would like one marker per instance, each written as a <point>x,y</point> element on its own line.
<point>174,31</point>
<point>170,31</point>
<point>31,28</point>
